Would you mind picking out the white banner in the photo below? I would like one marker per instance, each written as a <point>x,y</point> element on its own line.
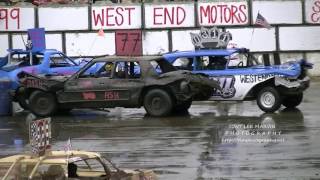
<point>223,13</point>
<point>170,15</point>
<point>116,17</point>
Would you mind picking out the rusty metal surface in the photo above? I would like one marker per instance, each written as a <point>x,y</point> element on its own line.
<point>121,92</point>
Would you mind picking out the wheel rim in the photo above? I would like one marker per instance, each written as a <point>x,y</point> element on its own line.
<point>156,103</point>
<point>43,103</point>
<point>267,99</point>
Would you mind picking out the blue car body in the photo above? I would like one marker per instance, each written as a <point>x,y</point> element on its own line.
<point>241,75</point>
<point>49,62</point>
<point>290,69</point>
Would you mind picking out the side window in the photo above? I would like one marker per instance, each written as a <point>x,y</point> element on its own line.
<point>59,60</point>
<point>24,59</point>
<point>127,70</point>
<point>183,63</point>
<point>237,60</point>
<point>211,63</point>
<point>156,67</point>
<point>89,165</point>
<point>98,69</point>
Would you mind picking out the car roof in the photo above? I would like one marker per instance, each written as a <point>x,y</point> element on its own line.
<point>53,157</point>
<point>127,58</point>
<point>203,52</point>
<point>23,51</point>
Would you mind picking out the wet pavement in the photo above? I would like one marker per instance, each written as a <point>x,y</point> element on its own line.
<point>230,140</point>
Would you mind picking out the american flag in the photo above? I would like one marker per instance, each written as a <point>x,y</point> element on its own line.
<point>262,22</point>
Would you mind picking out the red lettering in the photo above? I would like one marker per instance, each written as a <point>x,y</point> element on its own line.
<point>8,15</point>
<point>227,15</point>
<point>242,15</point>
<point>223,13</point>
<point>129,14</point>
<point>215,13</point>
<point>116,95</point>
<point>99,18</point>
<point>89,95</point>
<point>234,10</point>
<point>15,14</point>
<point>112,16</point>
<point>4,16</point>
<point>110,95</point>
<point>221,10</point>
<point>109,16</point>
<point>155,15</point>
<point>316,7</point>
<point>315,17</point>
<point>167,16</point>
<point>316,11</point>
<point>120,15</point>
<point>205,13</point>
<point>181,20</point>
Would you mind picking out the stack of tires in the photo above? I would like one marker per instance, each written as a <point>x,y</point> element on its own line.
<point>5,99</point>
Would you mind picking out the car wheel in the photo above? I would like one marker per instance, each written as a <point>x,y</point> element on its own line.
<point>158,102</point>
<point>183,107</point>
<point>22,100</point>
<point>292,100</point>
<point>269,99</point>
<point>42,103</point>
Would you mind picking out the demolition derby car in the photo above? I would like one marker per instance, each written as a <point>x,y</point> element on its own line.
<point>61,165</point>
<point>48,61</point>
<point>241,77</point>
<point>109,82</point>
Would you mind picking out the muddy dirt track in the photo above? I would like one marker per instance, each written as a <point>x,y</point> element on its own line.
<point>228,140</point>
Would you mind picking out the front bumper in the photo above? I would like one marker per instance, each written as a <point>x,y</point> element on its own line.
<point>292,87</point>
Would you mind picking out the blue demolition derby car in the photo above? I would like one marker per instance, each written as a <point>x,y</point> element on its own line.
<point>46,62</point>
<point>242,77</point>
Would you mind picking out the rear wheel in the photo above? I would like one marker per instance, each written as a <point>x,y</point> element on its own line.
<point>158,102</point>
<point>269,99</point>
<point>292,100</point>
<point>42,103</point>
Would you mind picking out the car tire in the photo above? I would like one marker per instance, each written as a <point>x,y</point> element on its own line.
<point>22,100</point>
<point>183,107</point>
<point>42,103</point>
<point>158,102</point>
<point>293,100</point>
<point>269,99</point>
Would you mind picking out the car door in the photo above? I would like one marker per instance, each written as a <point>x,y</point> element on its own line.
<point>101,84</point>
<point>216,68</point>
<point>127,83</point>
<point>87,88</point>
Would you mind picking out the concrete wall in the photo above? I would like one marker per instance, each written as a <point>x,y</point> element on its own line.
<point>166,27</point>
